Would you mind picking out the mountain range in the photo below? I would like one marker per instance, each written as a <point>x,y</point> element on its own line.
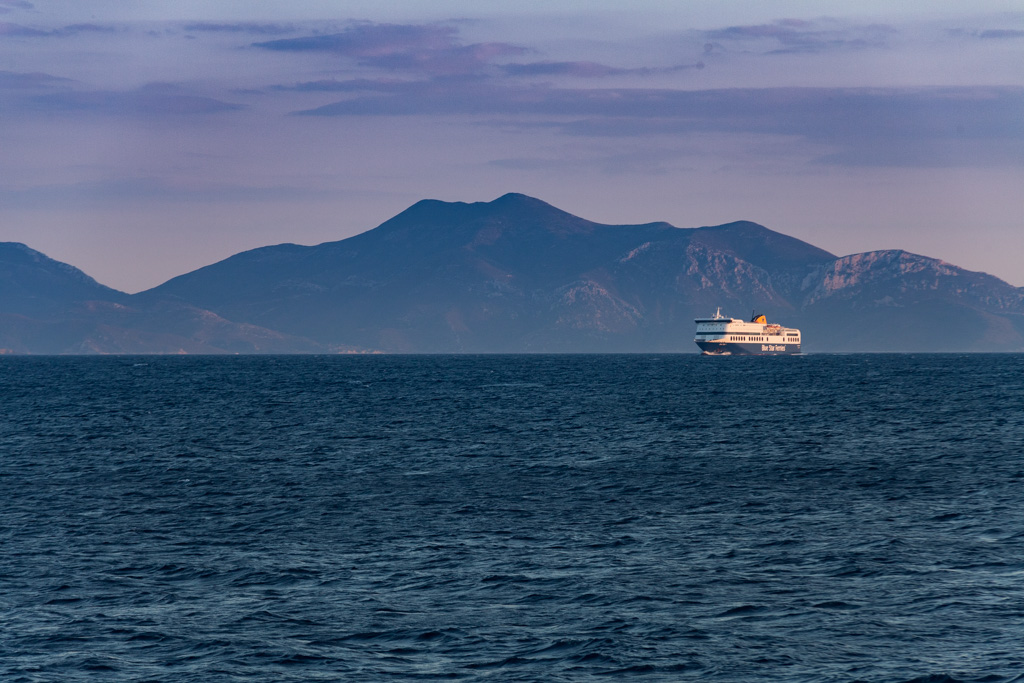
<point>512,275</point>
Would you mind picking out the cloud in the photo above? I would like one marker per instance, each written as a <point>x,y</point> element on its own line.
<point>431,49</point>
<point>436,51</point>
<point>1001,34</point>
<point>371,41</point>
<point>580,69</point>
<point>75,29</point>
<point>8,6</point>
<point>12,80</point>
<point>155,99</point>
<point>351,85</point>
<point>248,27</point>
<point>929,126</point>
<point>587,69</point>
<point>436,96</point>
<point>18,30</point>
<point>798,36</point>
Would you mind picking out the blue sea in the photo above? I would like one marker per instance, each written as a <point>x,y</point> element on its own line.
<point>512,518</point>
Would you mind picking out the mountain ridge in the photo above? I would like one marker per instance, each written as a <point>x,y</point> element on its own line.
<point>519,275</point>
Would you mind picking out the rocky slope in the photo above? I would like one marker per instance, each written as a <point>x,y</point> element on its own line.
<point>894,300</point>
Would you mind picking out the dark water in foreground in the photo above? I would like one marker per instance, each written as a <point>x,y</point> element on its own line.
<point>816,518</point>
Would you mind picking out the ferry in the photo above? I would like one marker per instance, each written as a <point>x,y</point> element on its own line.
<point>721,336</point>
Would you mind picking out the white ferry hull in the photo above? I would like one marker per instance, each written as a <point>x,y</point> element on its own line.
<point>714,348</point>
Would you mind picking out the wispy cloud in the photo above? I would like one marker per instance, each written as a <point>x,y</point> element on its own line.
<point>12,80</point>
<point>7,6</point>
<point>245,27</point>
<point>17,30</point>
<point>987,34</point>
<point>936,126</point>
<point>799,36</point>
<point>1001,34</point>
<point>353,85</point>
<point>430,49</point>
<point>156,99</point>
<point>436,50</point>
<point>76,29</point>
<point>587,69</point>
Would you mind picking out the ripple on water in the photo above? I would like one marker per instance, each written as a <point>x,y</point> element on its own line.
<point>517,517</point>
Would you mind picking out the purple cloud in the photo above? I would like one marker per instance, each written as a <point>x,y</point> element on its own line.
<point>151,100</point>
<point>803,36</point>
<point>11,80</point>
<point>371,41</point>
<point>76,29</point>
<point>70,30</point>
<point>84,28</point>
<point>1001,34</point>
<point>579,69</point>
<point>587,69</point>
<point>430,49</point>
<point>252,28</point>
<point>914,127</point>
<point>7,6</point>
<point>351,85</point>
<point>9,29</point>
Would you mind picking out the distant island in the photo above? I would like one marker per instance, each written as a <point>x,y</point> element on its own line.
<point>514,275</point>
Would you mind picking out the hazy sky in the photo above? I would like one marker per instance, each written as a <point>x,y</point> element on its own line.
<point>140,140</point>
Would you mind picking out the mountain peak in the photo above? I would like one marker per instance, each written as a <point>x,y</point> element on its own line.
<point>518,199</point>
<point>510,212</point>
<point>10,251</point>
<point>19,260</point>
<point>33,284</point>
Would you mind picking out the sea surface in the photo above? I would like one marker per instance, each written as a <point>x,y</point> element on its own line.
<point>512,518</point>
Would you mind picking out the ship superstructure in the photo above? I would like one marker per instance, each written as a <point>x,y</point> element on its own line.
<point>720,335</point>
